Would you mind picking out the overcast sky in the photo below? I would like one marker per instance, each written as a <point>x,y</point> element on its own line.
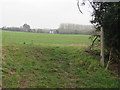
<point>42,13</point>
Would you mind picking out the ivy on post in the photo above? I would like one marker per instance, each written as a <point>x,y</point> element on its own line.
<point>102,48</point>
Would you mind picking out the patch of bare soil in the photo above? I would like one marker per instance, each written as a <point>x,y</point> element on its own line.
<point>114,67</point>
<point>77,45</point>
<point>71,45</point>
<point>93,52</point>
<point>23,83</point>
<point>24,80</point>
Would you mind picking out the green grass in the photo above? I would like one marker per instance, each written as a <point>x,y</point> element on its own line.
<point>57,62</point>
<point>45,39</point>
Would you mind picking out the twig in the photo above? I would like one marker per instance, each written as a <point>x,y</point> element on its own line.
<point>79,6</point>
<point>108,61</point>
<point>93,42</point>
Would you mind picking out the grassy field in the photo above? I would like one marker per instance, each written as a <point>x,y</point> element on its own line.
<point>45,39</point>
<point>33,60</point>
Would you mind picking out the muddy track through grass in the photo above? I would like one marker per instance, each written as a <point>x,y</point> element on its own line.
<point>48,67</point>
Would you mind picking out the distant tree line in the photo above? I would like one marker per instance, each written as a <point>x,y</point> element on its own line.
<point>75,29</point>
<point>64,28</point>
<point>24,28</point>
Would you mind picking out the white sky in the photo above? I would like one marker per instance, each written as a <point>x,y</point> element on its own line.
<point>42,13</point>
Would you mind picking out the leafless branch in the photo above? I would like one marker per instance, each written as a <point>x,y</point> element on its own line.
<point>79,6</point>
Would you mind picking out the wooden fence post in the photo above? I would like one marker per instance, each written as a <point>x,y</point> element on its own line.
<point>102,48</point>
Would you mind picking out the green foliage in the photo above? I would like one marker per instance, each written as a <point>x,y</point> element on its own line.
<point>106,15</point>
